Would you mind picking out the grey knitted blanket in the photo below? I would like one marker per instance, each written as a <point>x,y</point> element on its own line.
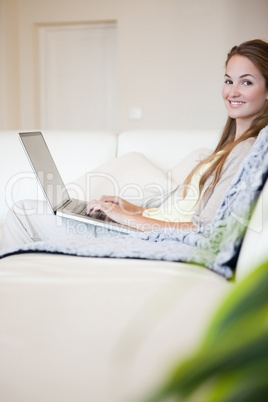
<point>215,247</point>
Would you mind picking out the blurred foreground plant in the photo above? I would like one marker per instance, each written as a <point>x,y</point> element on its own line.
<point>231,365</point>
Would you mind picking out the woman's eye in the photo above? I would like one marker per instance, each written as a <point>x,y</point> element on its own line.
<point>229,82</point>
<point>247,83</point>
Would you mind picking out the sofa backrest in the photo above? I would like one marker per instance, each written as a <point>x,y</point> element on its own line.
<point>166,148</point>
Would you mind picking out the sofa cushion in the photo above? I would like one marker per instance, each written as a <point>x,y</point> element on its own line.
<point>131,176</point>
<point>95,322</point>
<point>134,177</point>
<point>181,170</point>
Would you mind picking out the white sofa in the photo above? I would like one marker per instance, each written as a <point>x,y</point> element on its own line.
<point>96,329</point>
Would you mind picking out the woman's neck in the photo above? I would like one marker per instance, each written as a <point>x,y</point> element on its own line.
<point>241,128</point>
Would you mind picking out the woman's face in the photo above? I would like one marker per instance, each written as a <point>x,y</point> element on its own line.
<point>244,91</point>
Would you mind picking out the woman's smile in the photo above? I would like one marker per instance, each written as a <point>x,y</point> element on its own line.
<point>236,103</point>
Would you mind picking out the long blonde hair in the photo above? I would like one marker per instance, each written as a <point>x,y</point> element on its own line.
<point>257,52</point>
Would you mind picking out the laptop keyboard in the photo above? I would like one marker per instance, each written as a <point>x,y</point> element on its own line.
<point>81,209</point>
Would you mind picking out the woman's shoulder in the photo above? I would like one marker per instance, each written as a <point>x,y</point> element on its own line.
<point>239,152</point>
<point>246,143</point>
<point>244,146</point>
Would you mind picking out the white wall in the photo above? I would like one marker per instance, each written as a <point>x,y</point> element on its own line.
<point>2,71</point>
<point>171,55</point>
<point>9,58</point>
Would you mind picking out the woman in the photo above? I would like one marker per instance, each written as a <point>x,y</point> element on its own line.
<point>245,94</point>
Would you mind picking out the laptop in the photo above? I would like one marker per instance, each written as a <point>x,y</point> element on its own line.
<point>55,191</point>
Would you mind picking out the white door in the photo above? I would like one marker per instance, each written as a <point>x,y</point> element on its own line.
<point>78,77</point>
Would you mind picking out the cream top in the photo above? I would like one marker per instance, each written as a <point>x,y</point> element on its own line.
<point>177,208</point>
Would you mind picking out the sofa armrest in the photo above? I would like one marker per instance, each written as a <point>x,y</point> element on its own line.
<point>254,247</point>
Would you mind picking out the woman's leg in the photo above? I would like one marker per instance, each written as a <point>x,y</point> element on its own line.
<point>30,221</point>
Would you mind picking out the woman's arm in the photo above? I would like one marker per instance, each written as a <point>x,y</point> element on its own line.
<point>130,215</point>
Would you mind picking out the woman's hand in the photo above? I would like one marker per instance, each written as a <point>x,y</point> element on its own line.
<point>116,208</point>
<point>125,206</point>
<point>122,211</point>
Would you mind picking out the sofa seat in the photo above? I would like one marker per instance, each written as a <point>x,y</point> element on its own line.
<point>105,328</point>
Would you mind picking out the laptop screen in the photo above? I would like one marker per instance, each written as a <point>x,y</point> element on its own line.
<point>45,169</point>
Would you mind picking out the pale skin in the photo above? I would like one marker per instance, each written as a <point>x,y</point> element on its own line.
<point>244,94</point>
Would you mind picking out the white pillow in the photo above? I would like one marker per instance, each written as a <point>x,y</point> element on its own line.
<point>180,171</point>
<point>131,176</point>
